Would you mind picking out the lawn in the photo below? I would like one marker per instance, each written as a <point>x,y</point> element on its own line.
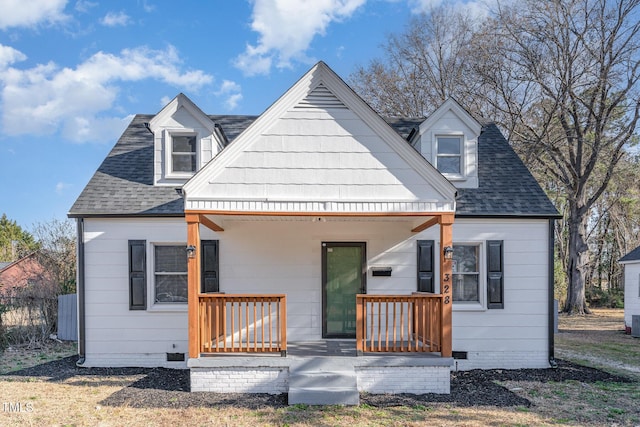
<point>101,399</point>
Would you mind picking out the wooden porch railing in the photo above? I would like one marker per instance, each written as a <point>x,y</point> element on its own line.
<point>399,323</point>
<point>242,323</point>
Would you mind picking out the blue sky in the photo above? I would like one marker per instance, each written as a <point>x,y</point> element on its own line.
<point>73,73</point>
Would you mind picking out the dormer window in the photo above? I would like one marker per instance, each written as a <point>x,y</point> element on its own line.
<point>449,141</point>
<point>449,154</point>
<point>183,153</point>
<point>184,139</point>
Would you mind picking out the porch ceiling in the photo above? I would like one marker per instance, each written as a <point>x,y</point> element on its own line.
<point>416,223</point>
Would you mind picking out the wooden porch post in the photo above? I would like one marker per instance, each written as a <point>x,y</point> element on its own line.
<point>193,283</point>
<point>446,239</point>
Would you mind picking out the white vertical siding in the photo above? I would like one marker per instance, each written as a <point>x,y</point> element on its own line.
<point>285,257</point>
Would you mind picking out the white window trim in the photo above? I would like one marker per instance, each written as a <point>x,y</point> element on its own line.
<point>168,135</point>
<point>480,305</point>
<point>463,163</point>
<point>151,281</point>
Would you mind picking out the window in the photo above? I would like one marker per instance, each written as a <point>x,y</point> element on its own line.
<point>449,157</point>
<point>170,273</point>
<point>466,273</point>
<point>183,153</point>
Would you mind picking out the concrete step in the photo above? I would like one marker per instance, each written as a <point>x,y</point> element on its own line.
<point>324,396</point>
<point>317,381</point>
<point>321,364</point>
<point>322,379</point>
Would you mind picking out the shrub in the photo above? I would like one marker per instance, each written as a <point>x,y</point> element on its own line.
<point>605,298</point>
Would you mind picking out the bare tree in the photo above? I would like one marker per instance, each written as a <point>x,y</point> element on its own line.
<point>57,252</point>
<point>560,77</point>
<point>614,227</point>
<point>423,66</point>
<point>571,97</point>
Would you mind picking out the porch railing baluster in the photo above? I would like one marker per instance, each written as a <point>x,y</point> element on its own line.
<point>414,325</point>
<point>230,323</point>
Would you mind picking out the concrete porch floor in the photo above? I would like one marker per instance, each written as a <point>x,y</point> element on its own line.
<point>333,347</point>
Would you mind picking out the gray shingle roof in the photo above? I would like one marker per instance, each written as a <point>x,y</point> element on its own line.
<point>634,255</point>
<point>506,187</point>
<point>123,184</point>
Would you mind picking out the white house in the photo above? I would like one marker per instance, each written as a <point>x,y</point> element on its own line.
<point>631,264</point>
<point>316,225</point>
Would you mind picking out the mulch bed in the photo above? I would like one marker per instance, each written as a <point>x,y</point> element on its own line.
<point>169,388</point>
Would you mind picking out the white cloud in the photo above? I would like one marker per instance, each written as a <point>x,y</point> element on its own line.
<point>21,13</point>
<point>418,6</point>
<point>115,19</point>
<point>9,55</point>
<point>147,7</point>
<point>229,86</point>
<point>83,6</point>
<point>79,101</point>
<point>474,8</point>
<point>233,100</point>
<point>61,186</point>
<point>164,101</point>
<point>233,93</point>
<point>286,28</point>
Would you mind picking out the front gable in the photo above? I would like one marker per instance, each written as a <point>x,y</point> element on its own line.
<point>319,148</point>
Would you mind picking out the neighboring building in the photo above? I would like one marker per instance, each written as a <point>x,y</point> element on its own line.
<point>21,273</point>
<point>631,280</point>
<point>202,235</point>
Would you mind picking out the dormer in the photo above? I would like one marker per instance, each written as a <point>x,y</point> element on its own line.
<point>448,139</point>
<point>185,139</point>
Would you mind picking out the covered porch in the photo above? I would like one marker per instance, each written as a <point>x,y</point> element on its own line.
<point>256,323</point>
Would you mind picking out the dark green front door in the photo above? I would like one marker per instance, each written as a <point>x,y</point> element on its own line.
<point>343,276</point>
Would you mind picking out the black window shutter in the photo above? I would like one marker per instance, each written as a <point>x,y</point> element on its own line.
<point>137,275</point>
<point>425,266</point>
<point>495,274</point>
<point>209,266</point>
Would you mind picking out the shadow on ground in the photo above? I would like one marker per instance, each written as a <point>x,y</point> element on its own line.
<point>169,388</point>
